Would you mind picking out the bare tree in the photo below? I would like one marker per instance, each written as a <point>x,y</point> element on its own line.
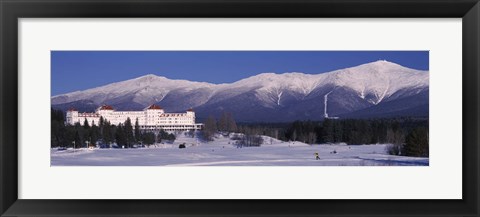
<point>210,128</point>
<point>312,137</point>
<point>222,122</point>
<point>231,124</point>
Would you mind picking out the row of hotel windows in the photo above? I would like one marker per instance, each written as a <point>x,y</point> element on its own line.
<point>143,114</point>
<point>172,127</point>
<point>121,117</point>
<point>158,122</point>
<point>158,119</point>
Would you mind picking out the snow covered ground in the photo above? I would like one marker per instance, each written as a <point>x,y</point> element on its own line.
<point>222,152</point>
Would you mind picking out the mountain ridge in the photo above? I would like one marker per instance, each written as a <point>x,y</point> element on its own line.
<point>362,86</point>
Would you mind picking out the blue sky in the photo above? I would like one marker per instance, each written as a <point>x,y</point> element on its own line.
<point>80,70</point>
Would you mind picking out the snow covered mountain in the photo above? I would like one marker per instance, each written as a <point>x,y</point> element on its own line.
<point>139,92</point>
<point>376,89</point>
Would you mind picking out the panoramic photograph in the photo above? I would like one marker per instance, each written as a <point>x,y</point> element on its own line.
<point>239,108</point>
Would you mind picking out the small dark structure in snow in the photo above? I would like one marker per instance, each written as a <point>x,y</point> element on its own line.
<point>182,145</point>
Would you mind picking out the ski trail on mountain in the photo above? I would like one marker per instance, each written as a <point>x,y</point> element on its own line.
<point>279,97</point>
<point>325,102</point>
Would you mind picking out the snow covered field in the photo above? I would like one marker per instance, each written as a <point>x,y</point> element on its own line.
<point>222,152</point>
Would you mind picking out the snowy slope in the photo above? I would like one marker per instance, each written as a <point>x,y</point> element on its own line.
<point>144,90</point>
<point>379,80</point>
<point>267,95</point>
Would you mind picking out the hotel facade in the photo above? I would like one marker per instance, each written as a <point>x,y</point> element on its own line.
<point>150,119</point>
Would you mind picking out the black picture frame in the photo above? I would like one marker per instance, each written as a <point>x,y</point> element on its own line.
<point>12,10</point>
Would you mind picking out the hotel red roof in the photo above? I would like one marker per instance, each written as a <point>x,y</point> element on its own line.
<point>153,106</point>
<point>106,107</point>
<point>72,109</point>
<point>190,110</point>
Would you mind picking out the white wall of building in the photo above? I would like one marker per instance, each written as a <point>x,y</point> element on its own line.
<point>148,119</point>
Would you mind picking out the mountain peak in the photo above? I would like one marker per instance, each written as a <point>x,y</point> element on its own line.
<point>383,63</point>
<point>148,76</point>
<point>382,67</point>
<point>152,78</point>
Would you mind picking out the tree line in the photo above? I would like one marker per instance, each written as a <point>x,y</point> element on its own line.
<point>406,136</point>
<point>104,133</point>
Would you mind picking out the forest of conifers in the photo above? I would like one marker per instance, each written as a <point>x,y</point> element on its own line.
<point>407,136</point>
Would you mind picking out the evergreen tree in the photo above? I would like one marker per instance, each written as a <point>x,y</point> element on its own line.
<point>70,135</point>
<point>138,135</point>
<point>57,115</point>
<point>163,135</point>
<point>78,140</point>
<point>328,131</point>
<point>148,138</point>
<point>79,136</point>
<point>94,134</point>
<point>365,132</point>
<point>112,130</point>
<point>108,133</point>
<point>347,131</point>
<point>56,134</point>
<point>101,125</point>
<point>337,131</point>
<point>129,133</point>
<point>86,132</point>
<point>416,143</point>
<point>86,126</point>
<point>58,129</point>
<point>120,136</point>
<point>171,137</point>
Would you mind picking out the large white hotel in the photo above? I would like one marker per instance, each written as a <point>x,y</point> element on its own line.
<point>151,118</point>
